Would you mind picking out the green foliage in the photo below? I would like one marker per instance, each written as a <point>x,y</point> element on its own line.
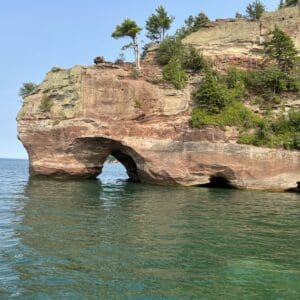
<point>211,95</point>
<point>297,140</point>
<point>121,59</point>
<point>194,61</point>
<point>281,4</point>
<point>177,59</point>
<point>127,28</point>
<point>281,48</point>
<point>200,21</point>
<point>280,132</point>
<point>175,73</point>
<point>138,103</point>
<point>130,29</point>
<point>56,69</point>
<point>255,10</point>
<point>238,15</point>
<point>235,114</point>
<point>169,48</point>
<point>26,89</point>
<point>135,73</point>
<point>158,24</point>
<point>247,138</point>
<point>291,2</point>
<point>268,83</point>
<point>145,49</point>
<point>193,24</point>
<point>46,104</point>
<point>234,78</point>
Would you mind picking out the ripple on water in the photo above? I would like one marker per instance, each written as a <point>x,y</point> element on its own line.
<point>111,239</point>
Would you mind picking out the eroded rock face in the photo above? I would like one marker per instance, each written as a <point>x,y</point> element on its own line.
<point>241,42</point>
<point>102,110</point>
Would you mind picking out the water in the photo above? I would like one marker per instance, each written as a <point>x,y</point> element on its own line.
<point>111,239</point>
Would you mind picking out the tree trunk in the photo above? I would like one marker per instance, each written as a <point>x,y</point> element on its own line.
<point>136,53</point>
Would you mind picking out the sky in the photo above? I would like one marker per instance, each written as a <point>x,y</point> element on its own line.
<point>37,35</point>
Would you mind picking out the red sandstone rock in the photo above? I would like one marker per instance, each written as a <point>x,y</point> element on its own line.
<point>96,112</point>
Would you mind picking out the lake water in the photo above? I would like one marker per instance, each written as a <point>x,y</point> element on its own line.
<point>109,239</point>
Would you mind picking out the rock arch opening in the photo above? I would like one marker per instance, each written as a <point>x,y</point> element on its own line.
<point>94,152</point>
<point>128,162</point>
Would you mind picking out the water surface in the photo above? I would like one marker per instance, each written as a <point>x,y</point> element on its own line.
<point>110,239</point>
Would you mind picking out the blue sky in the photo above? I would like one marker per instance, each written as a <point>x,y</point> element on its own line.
<point>37,35</point>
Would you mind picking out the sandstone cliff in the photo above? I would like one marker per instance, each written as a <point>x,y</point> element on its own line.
<point>76,118</point>
<point>240,41</point>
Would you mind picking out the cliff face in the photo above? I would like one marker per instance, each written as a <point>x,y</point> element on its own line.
<point>97,111</point>
<point>239,41</point>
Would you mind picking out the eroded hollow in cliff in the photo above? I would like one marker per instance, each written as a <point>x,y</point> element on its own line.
<point>94,151</point>
<point>218,182</point>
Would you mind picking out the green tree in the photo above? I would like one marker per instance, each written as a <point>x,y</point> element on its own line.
<point>281,4</point>
<point>130,29</point>
<point>192,24</point>
<point>175,73</point>
<point>26,89</point>
<point>170,47</point>
<point>281,48</point>
<point>200,21</point>
<point>255,10</point>
<point>211,95</point>
<point>193,60</point>
<point>291,2</point>
<point>158,24</point>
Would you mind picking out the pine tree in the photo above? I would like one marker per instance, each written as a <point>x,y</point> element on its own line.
<point>255,10</point>
<point>200,21</point>
<point>291,2</point>
<point>158,24</point>
<point>281,4</point>
<point>26,89</point>
<point>281,48</point>
<point>130,29</point>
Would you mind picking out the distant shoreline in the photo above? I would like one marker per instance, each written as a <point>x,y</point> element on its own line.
<point>9,158</point>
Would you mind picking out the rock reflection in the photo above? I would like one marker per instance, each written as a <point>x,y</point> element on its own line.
<point>89,239</point>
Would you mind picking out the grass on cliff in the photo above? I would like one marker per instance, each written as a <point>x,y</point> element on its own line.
<point>46,104</point>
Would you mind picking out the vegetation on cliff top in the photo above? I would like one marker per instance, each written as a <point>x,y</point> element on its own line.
<point>26,89</point>
<point>157,24</point>
<point>130,29</point>
<point>284,3</point>
<point>220,98</point>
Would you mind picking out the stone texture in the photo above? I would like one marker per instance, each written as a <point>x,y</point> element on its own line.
<point>239,41</point>
<point>102,110</point>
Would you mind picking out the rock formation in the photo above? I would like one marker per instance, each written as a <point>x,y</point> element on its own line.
<point>76,118</point>
<point>240,41</point>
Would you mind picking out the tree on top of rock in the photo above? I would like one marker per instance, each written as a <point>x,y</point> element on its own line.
<point>130,29</point>
<point>157,24</point>
<point>291,2</point>
<point>27,89</point>
<point>193,24</point>
<point>255,10</point>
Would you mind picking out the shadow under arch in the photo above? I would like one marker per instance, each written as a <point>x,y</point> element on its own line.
<point>95,151</point>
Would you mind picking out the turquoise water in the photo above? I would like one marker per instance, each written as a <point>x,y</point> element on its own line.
<point>110,239</point>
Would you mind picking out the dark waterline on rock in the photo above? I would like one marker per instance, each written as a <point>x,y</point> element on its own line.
<point>111,239</point>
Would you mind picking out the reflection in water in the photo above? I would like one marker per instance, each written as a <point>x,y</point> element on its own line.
<point>119,240</point>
